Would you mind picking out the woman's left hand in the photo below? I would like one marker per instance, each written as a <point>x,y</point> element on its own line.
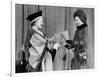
<point>68,46</point>
<point>69,41</point>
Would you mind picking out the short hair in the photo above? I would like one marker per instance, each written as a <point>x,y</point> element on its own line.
<point>81,14</point>
<point>33,23</point>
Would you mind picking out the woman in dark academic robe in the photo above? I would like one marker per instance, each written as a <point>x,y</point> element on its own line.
<point>35,45</point>
<point>80,41</point>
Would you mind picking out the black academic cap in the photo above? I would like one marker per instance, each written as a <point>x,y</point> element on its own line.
<point>34,15</point>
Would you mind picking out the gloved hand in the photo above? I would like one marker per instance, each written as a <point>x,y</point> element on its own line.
<point>69,41</point>
<point>68,46</point>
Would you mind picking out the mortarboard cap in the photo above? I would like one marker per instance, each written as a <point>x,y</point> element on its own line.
<point>34,15</point>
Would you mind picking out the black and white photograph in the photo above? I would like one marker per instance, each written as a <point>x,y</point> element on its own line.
<point>50,38</point>
<point>53,38</point>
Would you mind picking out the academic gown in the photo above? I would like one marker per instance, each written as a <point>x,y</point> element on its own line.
<point>34,46</point>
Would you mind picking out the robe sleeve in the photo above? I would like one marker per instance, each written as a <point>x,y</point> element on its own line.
<point>27,44</point>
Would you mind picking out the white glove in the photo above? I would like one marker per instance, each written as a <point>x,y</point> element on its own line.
<point>56,46</point>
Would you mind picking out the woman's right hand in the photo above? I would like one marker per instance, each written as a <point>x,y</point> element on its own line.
<point>50,45</point>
